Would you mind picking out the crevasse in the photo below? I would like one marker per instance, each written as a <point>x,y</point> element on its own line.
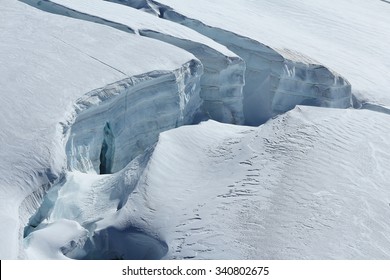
<point>275,80</point>
<point>129,115</point>
<point>223,77</point>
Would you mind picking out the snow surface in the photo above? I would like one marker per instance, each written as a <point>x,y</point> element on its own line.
<point>86,174</point>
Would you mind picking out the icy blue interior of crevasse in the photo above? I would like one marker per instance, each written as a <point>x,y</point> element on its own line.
<point>221,83</point>
<point>111,132</point>
<point>108,134</point>
<point>275,80</point>
<point>127,244</point>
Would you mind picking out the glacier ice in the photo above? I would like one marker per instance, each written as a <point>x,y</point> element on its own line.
<point>221,83</point>
<point>118,117</point>
<point>95,168</point>
<point>309,84</point>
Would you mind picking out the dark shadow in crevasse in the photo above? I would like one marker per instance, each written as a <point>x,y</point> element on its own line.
<point>128,244</point>
<point>107,151</point>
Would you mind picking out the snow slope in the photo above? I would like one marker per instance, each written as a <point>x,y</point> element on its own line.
<point>310,184</point>
<point>47,63</point>
<point>349,37</point>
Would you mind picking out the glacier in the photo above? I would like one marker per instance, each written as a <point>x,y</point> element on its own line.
<point>137,130</point>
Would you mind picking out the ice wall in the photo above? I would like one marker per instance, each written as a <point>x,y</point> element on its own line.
<point>305,82</point>
<point>116,123</point>
<point>221,83</point>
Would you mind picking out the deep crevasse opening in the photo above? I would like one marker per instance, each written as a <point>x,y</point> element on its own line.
<point>271,85</point>
<point>130,115</point>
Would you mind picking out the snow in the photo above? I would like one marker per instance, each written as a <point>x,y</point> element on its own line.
<point>102,156</point>
<point>55,241</point>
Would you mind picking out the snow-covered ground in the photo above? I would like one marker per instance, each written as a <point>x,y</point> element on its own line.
<point>86,174</point>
